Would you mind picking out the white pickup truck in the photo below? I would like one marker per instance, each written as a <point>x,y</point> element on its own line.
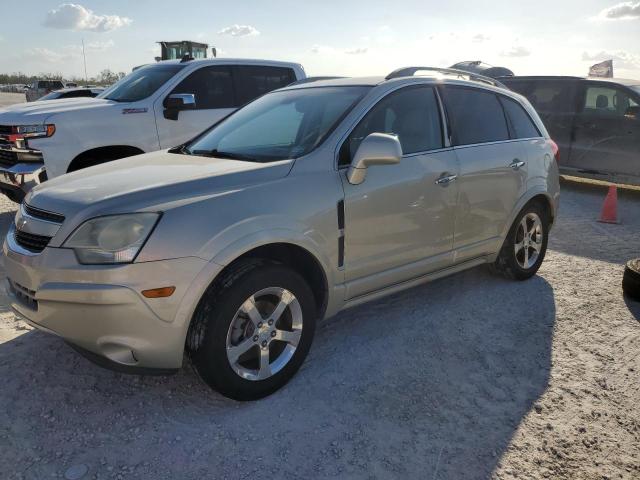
<point>155,107</point>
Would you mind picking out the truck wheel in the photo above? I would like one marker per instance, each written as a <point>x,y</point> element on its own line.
<point>252,330</point>
<point>631,279</point>
<point>526,244</point>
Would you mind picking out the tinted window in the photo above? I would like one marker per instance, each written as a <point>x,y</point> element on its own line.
<point>476,116</point>
<point>607,101</point>
<point>548,96</point>
<point>212,86</point>
<point>254,81</point>
<point>411,113</point>
<point>50,84</point>
<point>141,83</point>
<point>77,93</point>
<point>521,124</point>
<point>278,126</point>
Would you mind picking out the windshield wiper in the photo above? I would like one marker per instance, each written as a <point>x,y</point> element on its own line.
<point>219,154</point>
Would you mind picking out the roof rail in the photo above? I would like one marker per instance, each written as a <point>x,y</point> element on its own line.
<point>311,79</point>
<point>411,71</point>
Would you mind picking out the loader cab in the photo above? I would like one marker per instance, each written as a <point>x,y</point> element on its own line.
<point>180,49</point>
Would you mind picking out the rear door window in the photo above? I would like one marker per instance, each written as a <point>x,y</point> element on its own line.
<point>410,113</point>
<point>607,101</point>
<point>212,87</point>
<point>253,81</point>
<point>521,124</point>
<point>476,116</point>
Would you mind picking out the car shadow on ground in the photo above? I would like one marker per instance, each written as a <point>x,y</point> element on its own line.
<point>428,383</point>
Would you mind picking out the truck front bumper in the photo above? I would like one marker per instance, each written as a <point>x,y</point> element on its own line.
<point>20,171</point>
<point>100,308</point>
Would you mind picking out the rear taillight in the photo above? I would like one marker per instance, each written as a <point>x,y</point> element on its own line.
<point>555,149</point>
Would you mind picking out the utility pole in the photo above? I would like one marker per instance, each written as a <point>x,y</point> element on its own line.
<point>86,79</point>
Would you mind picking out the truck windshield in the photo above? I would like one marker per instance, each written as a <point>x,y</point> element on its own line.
<point>278,126</point>
<point>141,83</point>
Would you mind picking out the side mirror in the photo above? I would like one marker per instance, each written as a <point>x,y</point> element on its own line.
<point>376,149</point>
<point>176,102</point>
<point>632,113</point>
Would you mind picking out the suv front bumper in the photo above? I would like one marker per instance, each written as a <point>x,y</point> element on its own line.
<point>99,308</point>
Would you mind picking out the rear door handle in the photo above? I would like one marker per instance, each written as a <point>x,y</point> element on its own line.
<point>445,180</point>
<point>517,164</point>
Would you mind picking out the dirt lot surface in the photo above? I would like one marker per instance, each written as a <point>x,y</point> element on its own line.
<point>467,377</point>
<point>7,99</point>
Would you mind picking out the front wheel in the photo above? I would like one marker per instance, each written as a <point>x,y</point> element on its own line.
<point>526,244</point>
<point>252,330</point>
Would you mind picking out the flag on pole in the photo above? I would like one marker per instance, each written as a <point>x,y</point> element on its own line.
<point>602,69</point>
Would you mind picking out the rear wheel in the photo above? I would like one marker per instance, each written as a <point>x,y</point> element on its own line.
<point>631,279</point>
<point>526,244</point>
<point>252,331</point>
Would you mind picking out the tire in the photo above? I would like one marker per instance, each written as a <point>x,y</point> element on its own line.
<point>631,279</point>
<point>512,262</point>
<point>225,325</point>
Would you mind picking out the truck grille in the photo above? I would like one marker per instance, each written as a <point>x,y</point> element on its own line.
<point>33,243</point>
<point>24,295</point>
<point>8,158</point>
<point>43,214</point>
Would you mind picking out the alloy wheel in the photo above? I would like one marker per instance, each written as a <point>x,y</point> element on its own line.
<point>264,333</point>
<point>529,238</point>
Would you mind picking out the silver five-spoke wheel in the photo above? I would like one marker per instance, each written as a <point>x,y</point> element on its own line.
<point>264,333</point>
<point>529,238</point>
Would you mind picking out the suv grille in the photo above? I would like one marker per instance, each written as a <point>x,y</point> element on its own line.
<point>43,214</point>
<point>24,295</point>
<point>33,243</point>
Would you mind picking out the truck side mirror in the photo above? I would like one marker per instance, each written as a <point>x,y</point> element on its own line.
<point>375,149</point>
<point>633,113</point>
<point>176,102</point>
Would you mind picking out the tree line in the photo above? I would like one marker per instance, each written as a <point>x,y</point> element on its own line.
<point>105,77</point>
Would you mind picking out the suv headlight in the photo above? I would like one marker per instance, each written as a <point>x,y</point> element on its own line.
<point>112,239</point>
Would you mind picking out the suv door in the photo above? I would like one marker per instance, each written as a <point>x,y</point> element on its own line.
<point>556,101</point>
<point>398,222</point>
<point>493,170</point>
<point>607,131</point>
<point>213,88</point>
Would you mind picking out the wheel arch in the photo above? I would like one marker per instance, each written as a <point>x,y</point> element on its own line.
<point>98,155</point>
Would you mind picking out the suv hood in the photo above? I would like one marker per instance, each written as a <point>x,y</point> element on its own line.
<point>153,181</point>
<point>37,112</point>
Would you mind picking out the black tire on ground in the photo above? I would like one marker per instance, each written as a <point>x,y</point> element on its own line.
<point>507,262</point>
<point>631,279</point>
<point>207,337</point>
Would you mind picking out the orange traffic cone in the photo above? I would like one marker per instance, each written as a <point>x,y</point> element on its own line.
<point>610,207</point>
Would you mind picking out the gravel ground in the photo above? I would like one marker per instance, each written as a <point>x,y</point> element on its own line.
<point>470,376</point>
<point>7,98</point>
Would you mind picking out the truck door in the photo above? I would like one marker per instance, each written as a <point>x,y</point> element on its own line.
<point>213,89</point>
<point>607,132</point>
<point>555,100</point>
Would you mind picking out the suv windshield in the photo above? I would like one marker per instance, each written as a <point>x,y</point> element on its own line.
<point>278,126</point>
<point>141,83</point>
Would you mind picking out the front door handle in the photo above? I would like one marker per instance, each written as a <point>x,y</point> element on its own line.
<point>445,180</point>
<point>517,164</point>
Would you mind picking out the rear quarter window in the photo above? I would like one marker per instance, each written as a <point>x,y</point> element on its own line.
<point>522,125</point>
<point>476,116</point>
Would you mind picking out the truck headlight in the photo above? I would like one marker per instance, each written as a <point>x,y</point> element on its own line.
<point>34,131</point>
<point>111,239</point>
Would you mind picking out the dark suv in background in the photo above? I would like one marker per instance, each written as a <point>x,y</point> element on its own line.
<point>595,122</point>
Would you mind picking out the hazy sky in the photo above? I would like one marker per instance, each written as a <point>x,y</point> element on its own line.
<point>347,37</point>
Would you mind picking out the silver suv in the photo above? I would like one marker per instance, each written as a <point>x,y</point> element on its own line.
<point>309,200</point>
